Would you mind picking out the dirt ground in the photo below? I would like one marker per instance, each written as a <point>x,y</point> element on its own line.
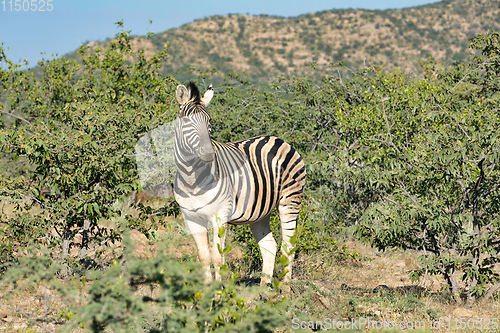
<point>374,287</point>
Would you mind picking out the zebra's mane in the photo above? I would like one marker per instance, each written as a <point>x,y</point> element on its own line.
<point>194,93</point>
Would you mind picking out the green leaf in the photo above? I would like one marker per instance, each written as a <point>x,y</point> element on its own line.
<point>284,261</point>
<point>222,231</point>
<point>276,283</point>
<point>96,208</point>
<point>227,249</point>
<point>223,270</point>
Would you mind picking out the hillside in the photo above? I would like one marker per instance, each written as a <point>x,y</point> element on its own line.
<point>264,46</point>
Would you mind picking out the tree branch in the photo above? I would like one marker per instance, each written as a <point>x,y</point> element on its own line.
<point>386,198</point>
<point>468,137</point>
<point>84,253</point>
<point>412,198</point>
<point>14,116</point>
<point>491,291</point>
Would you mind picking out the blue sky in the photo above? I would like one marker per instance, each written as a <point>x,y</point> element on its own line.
<point>65,24</point>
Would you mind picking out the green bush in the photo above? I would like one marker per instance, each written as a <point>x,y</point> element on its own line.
<point>161,294</point>
<point>77,124</point>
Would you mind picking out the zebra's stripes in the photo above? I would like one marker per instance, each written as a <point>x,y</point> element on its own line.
<point>239,182</point>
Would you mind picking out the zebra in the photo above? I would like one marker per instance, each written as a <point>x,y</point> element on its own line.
<point>239,183</point>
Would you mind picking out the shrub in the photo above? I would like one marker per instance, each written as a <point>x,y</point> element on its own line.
<point>161,294</point>
<point>77,124</point>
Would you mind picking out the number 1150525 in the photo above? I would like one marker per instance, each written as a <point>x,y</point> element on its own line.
<point>26,5</point>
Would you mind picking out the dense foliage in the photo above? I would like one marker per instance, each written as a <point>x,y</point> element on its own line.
<point>78,124</point>
<point>402,161</point>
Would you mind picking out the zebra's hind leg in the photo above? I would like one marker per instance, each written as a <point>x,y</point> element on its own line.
<point>261,231</point>
<point>200,235</point>
<point>289,213</point>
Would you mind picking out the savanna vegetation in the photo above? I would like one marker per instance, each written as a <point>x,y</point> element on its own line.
<point>399,161</point>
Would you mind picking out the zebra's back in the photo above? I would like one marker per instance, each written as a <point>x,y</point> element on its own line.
<point>273,172</point>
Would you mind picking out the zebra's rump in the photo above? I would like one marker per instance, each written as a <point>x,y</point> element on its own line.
<point>272,173</point>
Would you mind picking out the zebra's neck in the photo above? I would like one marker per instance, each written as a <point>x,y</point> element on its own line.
<point>194,174</point>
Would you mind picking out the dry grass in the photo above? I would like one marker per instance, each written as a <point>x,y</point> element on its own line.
<point>376,287</point>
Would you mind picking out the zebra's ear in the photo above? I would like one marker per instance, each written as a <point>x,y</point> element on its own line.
<point>182,94</point>
<point>208,95</point>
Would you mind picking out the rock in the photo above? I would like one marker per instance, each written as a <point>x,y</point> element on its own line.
<point>400,264</point>
<point>6,318</point>
<point>463,313</point>
<point>44,291</point>
<point>381,288</point>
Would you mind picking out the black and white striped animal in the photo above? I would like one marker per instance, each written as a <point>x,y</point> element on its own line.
<point>238,182</point>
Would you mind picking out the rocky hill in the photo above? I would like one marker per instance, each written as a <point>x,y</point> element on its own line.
<point>265,46</point>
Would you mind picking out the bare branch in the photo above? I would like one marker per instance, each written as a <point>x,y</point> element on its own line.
<point>14,116</point>
<point>411,197</point>
<point>468,137</point>
<point>390,143</point>
<point>386,198</point>
<point>491,291</point>
<point>486,62</point>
